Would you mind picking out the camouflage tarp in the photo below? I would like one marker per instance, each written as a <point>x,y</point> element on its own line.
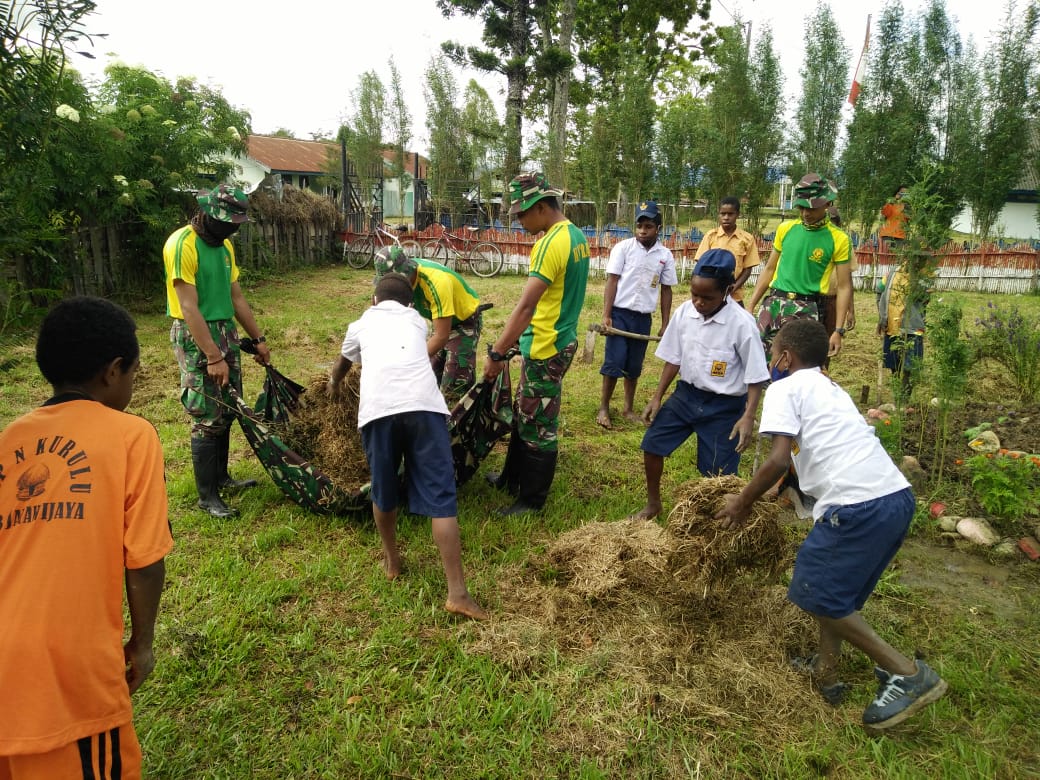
<point>483,416</point>
<point>296,477</point>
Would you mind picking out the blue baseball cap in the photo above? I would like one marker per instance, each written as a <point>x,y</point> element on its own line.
<point>716,262</point>
<point>648,209</point>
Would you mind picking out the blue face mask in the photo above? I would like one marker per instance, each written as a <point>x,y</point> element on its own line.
<point>775,373</point>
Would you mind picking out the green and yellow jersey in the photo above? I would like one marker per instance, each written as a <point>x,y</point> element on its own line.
<point>560,258</point>
<point>808,257</point>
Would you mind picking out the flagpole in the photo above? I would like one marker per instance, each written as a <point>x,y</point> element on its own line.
<point>861,67</point>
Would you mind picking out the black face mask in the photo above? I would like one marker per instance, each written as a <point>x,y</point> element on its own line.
<point>213,231</point>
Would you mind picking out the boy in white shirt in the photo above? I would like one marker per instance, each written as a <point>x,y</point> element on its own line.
<point>713,345</point>
<point>402,414</point>
<point>640,271</point>
<point>863,508</point>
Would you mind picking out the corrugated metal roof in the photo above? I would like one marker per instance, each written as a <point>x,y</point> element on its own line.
<point>292,155</point>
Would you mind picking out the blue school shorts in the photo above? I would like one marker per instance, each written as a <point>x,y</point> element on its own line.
<point>846,552</point>
<point>711,416</point>
<point>902,353</point>
<point>623,357</point>
<point>420,439</point>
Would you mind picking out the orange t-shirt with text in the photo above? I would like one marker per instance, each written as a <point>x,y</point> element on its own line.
<point>82,498</point>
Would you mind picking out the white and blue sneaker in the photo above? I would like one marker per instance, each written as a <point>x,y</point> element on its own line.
<point>900,696</point>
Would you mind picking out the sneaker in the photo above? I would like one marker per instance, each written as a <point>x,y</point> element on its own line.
<point>833,694</point>
<point>900,696</point>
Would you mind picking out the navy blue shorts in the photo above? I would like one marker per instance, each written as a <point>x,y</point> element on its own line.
<point>623,357</point>
<point>846,552</point>
<point>710,415</point>
<point>422,440</point>
<point>902,353</point>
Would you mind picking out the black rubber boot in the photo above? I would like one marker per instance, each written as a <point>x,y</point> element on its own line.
<point>224,479</point>
<point>508,479</point>
<point>538,470</point>
<point>204,457</point>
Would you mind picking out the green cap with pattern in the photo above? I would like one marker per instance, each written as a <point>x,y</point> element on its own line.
<point>224,204</point>
<point>527,189</point>
<point>392,259</point>
<point>814,191</point>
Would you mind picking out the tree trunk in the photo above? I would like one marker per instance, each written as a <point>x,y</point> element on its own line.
<point>516,82</point>
<point>561,101</point>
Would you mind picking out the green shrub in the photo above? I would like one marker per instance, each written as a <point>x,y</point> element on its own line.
<point>1007,487</point>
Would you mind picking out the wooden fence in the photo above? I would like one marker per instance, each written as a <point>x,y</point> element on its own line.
<point>979,269</point>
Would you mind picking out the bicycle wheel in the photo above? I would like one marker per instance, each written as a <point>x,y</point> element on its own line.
<point>412,248</point>
<point>359,252</point>
<point>485,259</point>
<point>435,250</point>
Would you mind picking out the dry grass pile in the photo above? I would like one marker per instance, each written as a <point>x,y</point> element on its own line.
<point>627,599</point>
<point>606,561</point>
<point>325,432</point>
<point>294,206</point>
<point>707,556</point>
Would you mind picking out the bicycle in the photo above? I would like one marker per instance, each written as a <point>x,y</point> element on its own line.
<point>361,250</point>
<point>483,257</point>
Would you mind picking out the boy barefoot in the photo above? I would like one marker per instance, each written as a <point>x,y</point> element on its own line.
<point>713,345</point>
<point>863,508</point>
<point>84,519</point>
<point>640,271</point>
<point>402,415</point>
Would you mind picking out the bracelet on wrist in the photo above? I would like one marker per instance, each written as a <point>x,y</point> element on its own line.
<point>214,362</point>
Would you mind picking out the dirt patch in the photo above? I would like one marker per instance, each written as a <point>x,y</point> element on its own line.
<point>1017,427</point>
<point>963,581</point>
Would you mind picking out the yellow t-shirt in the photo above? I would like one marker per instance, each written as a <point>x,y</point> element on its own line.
<point>741,243</point>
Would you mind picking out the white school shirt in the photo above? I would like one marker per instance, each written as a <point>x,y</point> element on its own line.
<point>837,455</point>
<point>721,355</point>
<point>389,343</point>
<point>641,273</point>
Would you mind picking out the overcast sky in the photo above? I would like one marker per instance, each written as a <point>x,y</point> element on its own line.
<point>295,64</point>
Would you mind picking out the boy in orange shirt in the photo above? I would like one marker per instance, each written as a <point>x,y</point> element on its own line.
<point>82,515</point>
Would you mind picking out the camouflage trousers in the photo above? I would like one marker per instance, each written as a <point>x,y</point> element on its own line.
<point>536,406</point>
<point>778,308</point>
<point>200,395</point>
<point>456,364</point>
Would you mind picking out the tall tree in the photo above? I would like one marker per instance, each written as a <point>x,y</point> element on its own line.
<point>745,118</point>
<point>762,132</point>
<point>1002,148</point>
<point>365,138</point>
<point>824,74</point>
<point>890,129</point>
<point>400,128</point>
<point>511,45</point>
<point>484,135</point>
<point>681,133</point>
<point>450,155</point>
<point>634,115</point>
<point>596,167</point>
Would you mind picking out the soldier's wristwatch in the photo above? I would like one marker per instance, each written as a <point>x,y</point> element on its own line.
<point>496,357</point>
<point>840,332</point>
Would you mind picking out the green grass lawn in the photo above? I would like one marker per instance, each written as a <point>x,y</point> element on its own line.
<point>284,653</point>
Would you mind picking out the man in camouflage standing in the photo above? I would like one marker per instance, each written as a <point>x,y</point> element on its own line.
<point>204,299</point>
<point>545,321</point>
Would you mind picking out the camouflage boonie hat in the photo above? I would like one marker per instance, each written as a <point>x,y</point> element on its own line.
<point>527,189</point>
<point>224,203</point>
<point>814,191</point>
<point>392,259</point>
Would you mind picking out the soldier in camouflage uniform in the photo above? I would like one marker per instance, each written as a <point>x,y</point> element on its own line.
<point>545,322</point>
<point>811,258</point>
<point>204,299</point>
<point>444,297</point>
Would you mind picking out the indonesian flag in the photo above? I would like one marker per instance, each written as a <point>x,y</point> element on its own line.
<point>861,67</point>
